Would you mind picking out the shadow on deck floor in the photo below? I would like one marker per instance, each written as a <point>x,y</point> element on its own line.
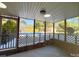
<point>48,51</point>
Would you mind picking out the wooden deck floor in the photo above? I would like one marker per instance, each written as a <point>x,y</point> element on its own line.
<point>48,51</point>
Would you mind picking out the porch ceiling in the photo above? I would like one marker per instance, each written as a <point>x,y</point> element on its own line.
<point>58,10</point>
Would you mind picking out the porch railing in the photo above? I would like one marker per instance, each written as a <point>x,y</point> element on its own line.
<point>69,38</point>
<point>25,39</point>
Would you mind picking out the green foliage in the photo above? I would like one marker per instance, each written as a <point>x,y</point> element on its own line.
<point>61,25</point>
<point>71,27</point>
<point>10,25</point>
<point>48,24</point>
<point>74,25</point>
<point>39,25</point>
<point>70,30</point>
<point>8,29</point>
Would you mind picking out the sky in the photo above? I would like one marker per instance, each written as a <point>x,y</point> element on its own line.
<point>28,21</point>
<point>74,20</point>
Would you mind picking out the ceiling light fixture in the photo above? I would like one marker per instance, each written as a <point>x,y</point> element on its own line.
<point>47,15</point>
<point>2,5</point>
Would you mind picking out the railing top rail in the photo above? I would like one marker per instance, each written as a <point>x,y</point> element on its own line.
<point>35,33</point>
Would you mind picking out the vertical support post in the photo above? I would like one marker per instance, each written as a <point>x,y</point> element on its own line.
<point>58,36</point>
<point>34,33</point>
<point>49,36</point>
<point>39,37</point>
<point>17,39</point>
<point>45,31</point>
<point>0,29</point>
<point>26,38</point>
<point>65,29</point>
<point>53,30</point>
<point>76,39</point>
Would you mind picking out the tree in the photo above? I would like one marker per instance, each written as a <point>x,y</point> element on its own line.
<point>9,25</point>
<point>48,24</point>
<point>8,30</point>
<point>71,27</point>
<point>39,25</point>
